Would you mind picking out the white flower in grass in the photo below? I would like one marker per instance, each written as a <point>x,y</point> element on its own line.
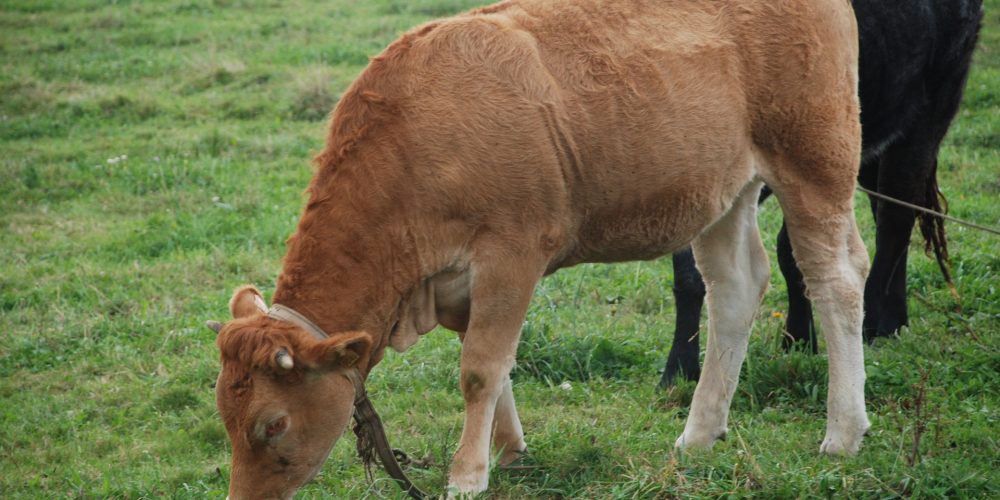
<point>220,204</point>
<point>566,386</point>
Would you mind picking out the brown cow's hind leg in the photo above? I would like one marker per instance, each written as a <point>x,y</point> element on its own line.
<point>732,260</point>
<point>828,249</point>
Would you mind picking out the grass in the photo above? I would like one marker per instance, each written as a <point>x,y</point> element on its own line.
<point>154,156</point>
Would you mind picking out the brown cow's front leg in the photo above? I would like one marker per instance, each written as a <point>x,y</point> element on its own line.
<point>500,295</point>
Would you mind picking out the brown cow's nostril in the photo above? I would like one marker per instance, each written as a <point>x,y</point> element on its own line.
<point>283,461</point>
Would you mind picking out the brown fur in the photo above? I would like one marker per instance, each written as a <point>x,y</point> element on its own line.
<point>480,152</point>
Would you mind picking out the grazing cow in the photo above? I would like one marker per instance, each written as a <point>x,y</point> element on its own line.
<point>479,153</point>
<point>914,60</point>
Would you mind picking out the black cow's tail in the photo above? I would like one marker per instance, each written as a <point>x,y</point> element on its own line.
<point>932,228</point>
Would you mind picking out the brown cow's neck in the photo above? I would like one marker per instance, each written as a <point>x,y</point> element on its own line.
<point>347,268</point>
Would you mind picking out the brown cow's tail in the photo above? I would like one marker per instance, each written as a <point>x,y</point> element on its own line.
<point>932,228</point>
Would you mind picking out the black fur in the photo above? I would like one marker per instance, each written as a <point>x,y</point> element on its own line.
<point>914,60</point>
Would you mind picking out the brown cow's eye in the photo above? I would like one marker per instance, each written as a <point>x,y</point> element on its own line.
<point>276,427</point>
<point>270,430</point>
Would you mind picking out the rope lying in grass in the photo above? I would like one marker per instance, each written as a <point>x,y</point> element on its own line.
<point>929,211</point>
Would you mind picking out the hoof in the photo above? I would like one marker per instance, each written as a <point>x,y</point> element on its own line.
<point>509,457</point>
<point>839,448</point>
<point>467,483</point>
<point>844,443</point>
<point>695,439</point>
<point>455,491</point>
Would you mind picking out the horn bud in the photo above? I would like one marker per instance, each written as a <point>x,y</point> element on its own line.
<point>215,326</point>
<point>283,359</point>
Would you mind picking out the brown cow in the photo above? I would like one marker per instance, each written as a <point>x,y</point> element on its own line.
<point>479,153</point>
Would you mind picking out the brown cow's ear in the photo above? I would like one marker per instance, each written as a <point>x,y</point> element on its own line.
<point>246,301</point>
<point>343,350</point>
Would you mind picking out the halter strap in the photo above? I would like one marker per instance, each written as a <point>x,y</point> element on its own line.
<point>289,315</point>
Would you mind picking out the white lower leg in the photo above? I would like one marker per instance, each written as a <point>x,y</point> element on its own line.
<point>724,355</point>
<point>470,465</point>
<point>834,270</point>
<point>508,437</point>
<point>734,264</point>
<point>847,421</point>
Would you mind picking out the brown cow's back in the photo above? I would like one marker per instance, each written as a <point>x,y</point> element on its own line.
<point>544,117</point>
<point>657,117</point>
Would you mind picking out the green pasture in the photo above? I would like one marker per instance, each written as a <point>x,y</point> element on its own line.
<point>153,156</point>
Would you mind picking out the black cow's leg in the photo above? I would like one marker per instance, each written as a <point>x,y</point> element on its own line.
<point>689,295</point>
<point>885,290</point>
<point>907,172</point>
<point>903,174</point>
<point>799,325</point>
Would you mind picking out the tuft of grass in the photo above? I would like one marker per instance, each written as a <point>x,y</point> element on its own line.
<point>313,97</point>
<point>553,357</point>
<point>212,71</point>
<point>176,400</point>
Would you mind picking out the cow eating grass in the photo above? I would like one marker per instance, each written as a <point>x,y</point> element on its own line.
<point>479,153</point>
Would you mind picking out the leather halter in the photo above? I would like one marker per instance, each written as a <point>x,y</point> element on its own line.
<point>368,425</point>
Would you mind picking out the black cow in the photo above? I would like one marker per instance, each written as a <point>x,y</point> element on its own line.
<point>914,60</point>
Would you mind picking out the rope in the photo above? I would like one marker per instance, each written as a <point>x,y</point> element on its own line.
<point>929,211</point>
<point>372,442</point>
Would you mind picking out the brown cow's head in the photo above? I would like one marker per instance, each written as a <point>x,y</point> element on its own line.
<point>282,397</point>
